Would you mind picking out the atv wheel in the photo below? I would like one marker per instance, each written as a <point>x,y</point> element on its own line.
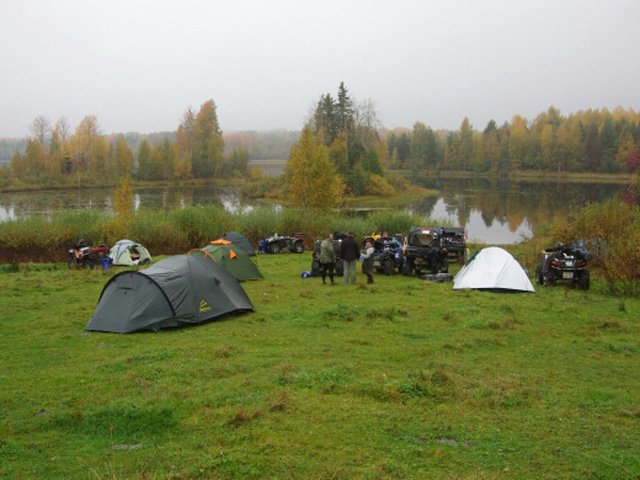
<point>584,281</point>
<point>71,262</point>
<point>539,279</point>
<point>273,248</point>
<point>339,268</point>
<point>550,279</point>
<point>315,268</point>
<point>389,266</point>
<point>298,247</point>
<point>406,268</point>
<point>88,263</point>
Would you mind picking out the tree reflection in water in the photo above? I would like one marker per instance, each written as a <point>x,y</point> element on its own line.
<point>492,211</point>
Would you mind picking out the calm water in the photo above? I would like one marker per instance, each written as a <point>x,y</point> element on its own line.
<point>492,212</point>
<point>500,212</point>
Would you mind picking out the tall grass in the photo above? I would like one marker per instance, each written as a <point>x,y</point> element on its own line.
<point>61,229</point>
<point>180,229</point>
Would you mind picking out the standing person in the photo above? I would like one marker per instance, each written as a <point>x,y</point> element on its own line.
<point>367,262</point>
<point>349,252</point>
<point>327,258</point>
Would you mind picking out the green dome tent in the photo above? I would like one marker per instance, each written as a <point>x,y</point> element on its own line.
<point>241,241</point>
<point>231,257</point>
<point>177,291</point>
<point>129,253</point>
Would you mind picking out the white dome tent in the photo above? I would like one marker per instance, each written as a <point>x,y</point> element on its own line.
<point>129,253</point>
<point>493,268</point>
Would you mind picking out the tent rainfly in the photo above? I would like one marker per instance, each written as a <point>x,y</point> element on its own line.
<point>129,253</point>
<point>493,268</point>
<point>178,291</point>
<point>231,257</point>
<point>241,241</point>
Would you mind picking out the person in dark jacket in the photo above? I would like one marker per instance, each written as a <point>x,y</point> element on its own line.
<point>349,252</point>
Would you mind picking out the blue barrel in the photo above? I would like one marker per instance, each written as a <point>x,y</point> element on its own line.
<point>106,263</point>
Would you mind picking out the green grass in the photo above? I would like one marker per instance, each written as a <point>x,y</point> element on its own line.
<point>402,379</point>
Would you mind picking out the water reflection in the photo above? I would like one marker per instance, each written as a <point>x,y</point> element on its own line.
<point>498,211</point>
<point>492,211</point>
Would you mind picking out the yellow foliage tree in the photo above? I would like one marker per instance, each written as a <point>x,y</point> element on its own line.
<point>377,185</point>
<point>311,177</point>
<point>123,203</point>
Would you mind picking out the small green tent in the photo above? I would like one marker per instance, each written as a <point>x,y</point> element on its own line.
<point>177,291</point>
<point>241,241</point>
<point>231,257</point>
<point>129,253</point>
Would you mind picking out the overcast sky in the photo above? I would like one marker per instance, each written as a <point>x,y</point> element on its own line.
<point>138,65</point>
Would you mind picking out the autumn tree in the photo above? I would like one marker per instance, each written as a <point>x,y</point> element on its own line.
<point>208,151</point>
<point>41,129</point>
<point>85,135</point>
<point>185,138</point>
<point>237,163</point>
<point>424,149</point>
<point>311,178</point>
<point>517,143</point>
<point>55,156</point>
<point>124,159</point>
<point>144,169</point>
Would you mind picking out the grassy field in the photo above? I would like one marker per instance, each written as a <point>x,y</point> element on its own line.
<point>402,379</point>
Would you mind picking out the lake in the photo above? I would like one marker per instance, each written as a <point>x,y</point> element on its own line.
<point>492,211</point>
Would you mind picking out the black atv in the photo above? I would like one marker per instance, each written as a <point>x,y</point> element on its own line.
<point>315,258</point>
<point>453,239</point>
<point>424,251</point>
<point>279,243</point>
<point>568,264</point>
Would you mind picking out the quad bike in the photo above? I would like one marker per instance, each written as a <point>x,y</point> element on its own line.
<point>564,264</point>
<point>278,243</point>
<point>387,255</point>
<point>453,239</point>
<point>423,250</point>
<point>83,255</point>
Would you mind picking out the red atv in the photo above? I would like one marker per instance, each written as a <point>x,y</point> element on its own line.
<point>83,255</point>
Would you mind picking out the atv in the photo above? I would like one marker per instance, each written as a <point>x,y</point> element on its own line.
<point>387,255</point>
<point>423,250</point>
<point>83,255</point>
<point>453,239</point>
<point>278,243</point>
<point>315,258</point>
<point>564,264</point>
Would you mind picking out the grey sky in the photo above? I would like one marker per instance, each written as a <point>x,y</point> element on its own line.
<point>138,65</point>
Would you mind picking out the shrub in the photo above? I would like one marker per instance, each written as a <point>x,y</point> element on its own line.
<point>378,186</point>
<point>612,232</point>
